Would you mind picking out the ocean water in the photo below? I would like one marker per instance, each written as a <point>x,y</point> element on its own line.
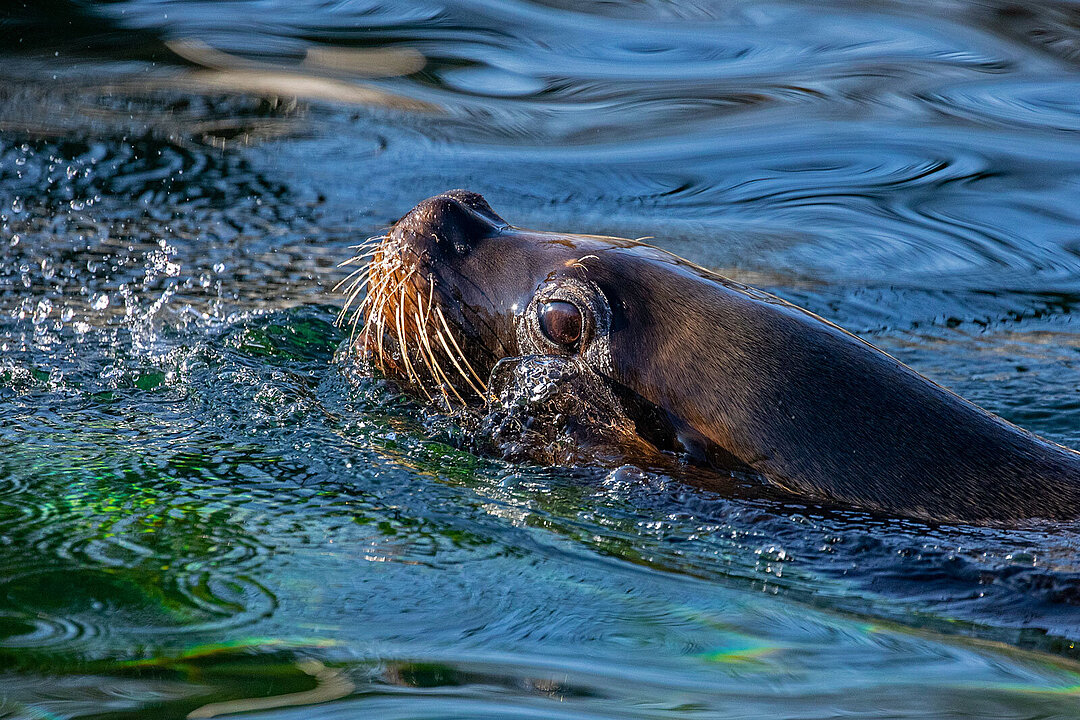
<point>202,513</point>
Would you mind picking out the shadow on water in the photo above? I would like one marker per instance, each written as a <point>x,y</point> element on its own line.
<point>201,513</point>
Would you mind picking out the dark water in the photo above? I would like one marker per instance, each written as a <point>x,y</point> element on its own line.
<point>197,506</point>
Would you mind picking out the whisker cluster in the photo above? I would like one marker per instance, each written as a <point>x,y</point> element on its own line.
<point>398,304</point>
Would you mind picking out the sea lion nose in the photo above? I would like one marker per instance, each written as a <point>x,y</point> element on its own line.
<point>453,221</point>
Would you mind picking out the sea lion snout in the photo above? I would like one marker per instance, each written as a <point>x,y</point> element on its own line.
<point>451,222</point>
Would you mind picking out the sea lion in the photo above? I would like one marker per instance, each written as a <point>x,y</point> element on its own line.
<point>684,362</point>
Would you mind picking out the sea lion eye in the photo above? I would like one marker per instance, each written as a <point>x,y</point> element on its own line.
<point>560,321</point>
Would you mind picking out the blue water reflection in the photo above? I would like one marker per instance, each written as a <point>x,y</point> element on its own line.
<point>200,512</point>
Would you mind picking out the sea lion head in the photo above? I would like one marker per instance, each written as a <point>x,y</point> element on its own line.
<point>456,295</point>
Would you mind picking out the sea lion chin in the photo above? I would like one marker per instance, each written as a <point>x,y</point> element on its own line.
<point>649,357</point>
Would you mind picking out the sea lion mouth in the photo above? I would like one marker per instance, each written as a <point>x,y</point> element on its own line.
<point>401,324</point>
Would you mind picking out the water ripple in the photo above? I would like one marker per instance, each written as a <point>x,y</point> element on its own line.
<point>194,497</point>
<point>1038,103</point>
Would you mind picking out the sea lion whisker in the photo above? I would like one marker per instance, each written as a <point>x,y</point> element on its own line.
<point>422,326</point>
<point>368,251</point>
<point>377,315</point>
<point>358,284</point>
<point>353,292</point>
<point>343,313</point>
<point>405,338</point>
<point>386,293</point>
<point>359,276</point>
<point>371,241</point>
<point>450,355</point>
<point>371,297</point>
<point>580,262</point>
<point>356,319</point>
<point>348,277</point>
<point>361,273</point>
<point>439,312</point>
<point>381,319</point>
<point>357,287</point>
<point>429,360</point>
<point>357,258</point>
<point>419,323</point>
<point>373,292</point>
<point>446,377</point>
<point>422,346</point>
<point>352,325</point>
<point>421,315</point>
<point>442,373</point>
<point>404,345</point>
<point>437,370</point>
<point>430,297</point>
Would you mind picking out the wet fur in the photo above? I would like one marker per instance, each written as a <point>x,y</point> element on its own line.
<point>736,376</point>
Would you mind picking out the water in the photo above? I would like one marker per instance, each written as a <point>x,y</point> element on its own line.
<point>200,512</point>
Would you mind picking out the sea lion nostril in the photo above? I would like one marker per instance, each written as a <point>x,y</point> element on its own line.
<point>455,220</point>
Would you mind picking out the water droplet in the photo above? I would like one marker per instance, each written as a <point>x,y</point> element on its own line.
<point>41,312</point>
<point>99,301</point>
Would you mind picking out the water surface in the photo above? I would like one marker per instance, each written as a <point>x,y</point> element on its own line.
<point>201,512</point>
